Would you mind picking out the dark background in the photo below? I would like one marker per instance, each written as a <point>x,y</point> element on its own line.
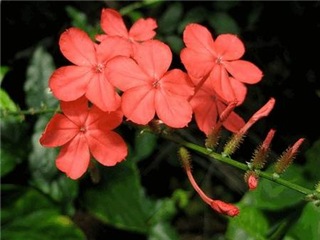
<point>283,42</point>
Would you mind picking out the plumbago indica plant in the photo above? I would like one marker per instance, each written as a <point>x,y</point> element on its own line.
<point>123,77</point>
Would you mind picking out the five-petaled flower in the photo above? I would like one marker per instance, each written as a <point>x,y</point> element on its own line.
<point>149,88</point>
<point>87,76</point>
<point>83,131</point>
<point>113,25</point>
<point>218,60</point>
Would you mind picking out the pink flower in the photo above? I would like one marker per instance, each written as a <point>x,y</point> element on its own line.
<point>113,25</point>
<point>208,106</point>
<point>149,88</point>
<point>82,132</point>
<point>87,76</point>
<point>217,61</point>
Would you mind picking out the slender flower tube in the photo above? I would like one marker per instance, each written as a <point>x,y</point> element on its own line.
<point>217,205</point>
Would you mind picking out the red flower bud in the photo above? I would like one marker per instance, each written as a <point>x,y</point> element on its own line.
<point>224,208</point>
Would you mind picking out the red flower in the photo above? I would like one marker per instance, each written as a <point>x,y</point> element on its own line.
<point>82,131</point>
<point>149,88</point>
<point>208,106</point>
<point>217,60</point>
<point>113,25</point>
<point>87,76</point>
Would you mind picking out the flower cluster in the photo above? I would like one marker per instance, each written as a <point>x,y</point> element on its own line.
<point>124,73</point>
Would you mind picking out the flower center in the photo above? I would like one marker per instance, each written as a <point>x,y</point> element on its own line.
<point>99,68</point>
<point>219,60</point>
<point>83,129</point>
<point>156,83</point>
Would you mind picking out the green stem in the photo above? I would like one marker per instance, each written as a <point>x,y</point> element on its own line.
<point>238,165</point>
<point>30,111</point>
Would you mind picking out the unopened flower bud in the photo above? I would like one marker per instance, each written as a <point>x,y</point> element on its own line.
<point>251,179</point>
<point>287,157</point>
<point>235,141</point>
<point>261,153</point>
<point>224,208</point>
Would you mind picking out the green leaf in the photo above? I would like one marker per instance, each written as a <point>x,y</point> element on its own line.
<point>80,20</point>
<point>13,134</point>
<point>250,224</point>
<point>36,86</point>
<point>273,196</point>
<point>44,173</point>
<point>26,214</point>
<point>308,225</point>
<point>163,231</point>
<point>195,15</point>
<point>3,72</point>
<point>222,22</point>
<point>6,103</point>
<point>175,43</point>
<point>313,160</point>
<point>118,199</point>
<point>169,21</point>
<point>144,144</point>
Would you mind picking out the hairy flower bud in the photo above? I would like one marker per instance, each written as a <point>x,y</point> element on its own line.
<point>287,157</point>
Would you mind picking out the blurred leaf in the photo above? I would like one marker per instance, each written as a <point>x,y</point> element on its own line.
<point>6,103</point>
<point>144,144</point>
<point>169,21</point>
<point>163,231</point>
<point>14,143</point>
<point>224,5</point>
<point>175,43</point>
<point>45,175</point>
<point>221,22</point>
<point>250,224</point>
<point>273,196</point>
<point>26,214</point>
<point>3,72</point>
<point>7,162</point>
<point>313,160</point>
<point>308,225</point>
<point>195,15</point>
<point>38,74</point>
<point>80,20</point>
<point>118,199</point>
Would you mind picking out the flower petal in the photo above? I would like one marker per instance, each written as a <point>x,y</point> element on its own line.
<point>227,87</point>
<point>77,47</point>
<point>58,131</point>
<point>197,64</point>
<point>108,148</point>
<point>154,57</point>
<point>234,122</point>
<point>70,82</point>
<point>244,71</point>
<point>124,73</point>
<point>199,39</point>
<point>177,82</point>
<point>104,121</point>
<point>112,23</point>
<point>174,111</point>
<point>111,47</point>
<point>101,93</point>
<point>229,46</point>
<point>76,111</point>
<point>138,104</point>
<point>74,157</point>
<point>205,111</point>
<point>143,29</point>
